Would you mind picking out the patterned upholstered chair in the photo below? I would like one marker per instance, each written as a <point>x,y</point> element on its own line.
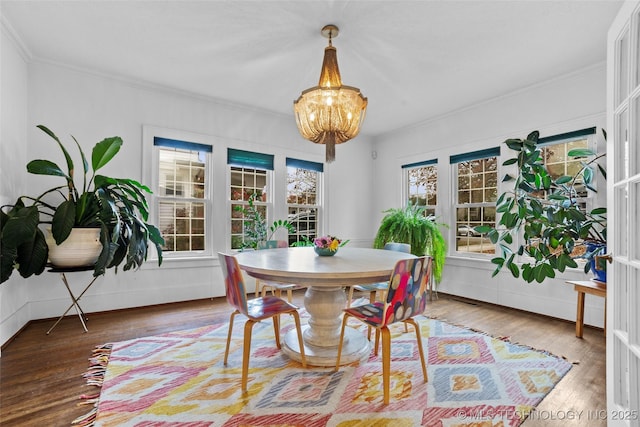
<point>407,294</point>
<point>374,288</point>
<point>255,310</point>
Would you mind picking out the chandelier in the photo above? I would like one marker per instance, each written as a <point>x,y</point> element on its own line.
<point>330,113</point>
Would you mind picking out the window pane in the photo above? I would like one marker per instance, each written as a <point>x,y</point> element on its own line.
<point>181,174</point>
<point>181,197</point>
<point>182,224</point>
<point>477,188</point>
<point>422,186</point>
<point>467,239</point>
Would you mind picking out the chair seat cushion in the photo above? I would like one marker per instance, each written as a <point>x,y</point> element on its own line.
<point>382,286</point>
<point>264,307</point>
<point>368,313</point>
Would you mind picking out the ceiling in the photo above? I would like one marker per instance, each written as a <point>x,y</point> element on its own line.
<point>414,60</point>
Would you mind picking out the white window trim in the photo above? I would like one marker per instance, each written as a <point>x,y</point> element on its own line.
<point>453,229</point>
<point>150,160</point>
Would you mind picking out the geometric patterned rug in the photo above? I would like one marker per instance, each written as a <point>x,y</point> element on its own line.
<point>178,379</point>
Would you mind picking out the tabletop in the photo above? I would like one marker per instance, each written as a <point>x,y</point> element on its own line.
<point>301,265</point>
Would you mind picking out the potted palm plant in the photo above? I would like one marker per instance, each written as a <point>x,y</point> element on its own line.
<point>555,230</point>
<point>116,207</point>
<point>411,225</point>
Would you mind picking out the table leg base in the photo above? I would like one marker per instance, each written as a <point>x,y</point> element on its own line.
<point>356,348</point>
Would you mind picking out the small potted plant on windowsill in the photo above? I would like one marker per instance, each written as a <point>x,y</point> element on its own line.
<point>257,233</point>
<point>542,209</point>
<point>115,207</point>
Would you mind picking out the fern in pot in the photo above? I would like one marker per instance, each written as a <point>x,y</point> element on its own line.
<point>411,225</point>
<point>117,207</point>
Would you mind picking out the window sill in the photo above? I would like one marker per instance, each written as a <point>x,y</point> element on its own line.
<point>181,262</point>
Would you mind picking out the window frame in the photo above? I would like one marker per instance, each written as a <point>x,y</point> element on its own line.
<point>318,206</point>
<point>406,170</point>
<point>238,158</point>
<point>454,161</point>
<point>151,170</point>
<point>591,198</point>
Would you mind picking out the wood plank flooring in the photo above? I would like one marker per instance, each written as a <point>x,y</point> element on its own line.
<point>41,375</point>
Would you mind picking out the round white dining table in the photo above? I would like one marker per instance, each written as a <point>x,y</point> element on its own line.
<point>325,278</point>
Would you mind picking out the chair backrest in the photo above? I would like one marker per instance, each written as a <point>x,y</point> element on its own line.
<point>408,289</point>
<point>233,282</point>
<point>400,247</point>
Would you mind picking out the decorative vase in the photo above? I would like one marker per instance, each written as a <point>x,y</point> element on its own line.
<point>324,251</point>
<point>81,249</point>
<point>598,265</point>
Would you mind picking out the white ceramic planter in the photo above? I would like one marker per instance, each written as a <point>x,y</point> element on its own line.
<point>82,248</point>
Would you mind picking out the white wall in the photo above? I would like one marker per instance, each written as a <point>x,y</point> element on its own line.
<point>358,188</point>
<point>14,309</point>
<point>564,104</point>
<point>92,107</point>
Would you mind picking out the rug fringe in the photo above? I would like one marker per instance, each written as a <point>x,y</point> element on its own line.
<point>95,377</point>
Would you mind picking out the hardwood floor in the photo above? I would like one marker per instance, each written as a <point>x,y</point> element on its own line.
<point>41,376</point>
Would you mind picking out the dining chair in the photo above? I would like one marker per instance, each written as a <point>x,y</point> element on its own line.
<point>276,288</point>
<point>374,288</point>
<point>407,294</point>
<point>255,310</point>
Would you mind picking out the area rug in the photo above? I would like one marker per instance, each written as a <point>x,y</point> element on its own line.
<point>178,379</point>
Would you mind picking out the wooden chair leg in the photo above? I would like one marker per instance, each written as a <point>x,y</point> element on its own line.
<point>296,318</point>
<point>344,324</point>
<point>246,353</point>
<point>386,362</point>
<point>420,349</point>
<point>276,329</point>
<point>226,351</point>
<point>377,342</point>
<point>350,296</point>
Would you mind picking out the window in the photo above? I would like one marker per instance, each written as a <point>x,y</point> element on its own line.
<point>250,174</point>
<point>554,150</point>
<point>182,195</point>
<point>476,178</point>
<point>303,202</point>
<point>422,185</point>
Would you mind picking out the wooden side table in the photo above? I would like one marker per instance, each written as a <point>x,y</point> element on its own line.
<point>74,300</point>
<point>592,287</point>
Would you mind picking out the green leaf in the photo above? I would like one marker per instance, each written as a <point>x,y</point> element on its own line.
<point>581,152</point>
<point>587,174</point>
<point>509,161</point>
<point>515,271</point>
<point>20,226</point>
<point>32,255</point>
<point>533,136</point>
<point>104,151</point>
<point>64,151</point>
<point>45,167</point>
<point>63,221</point>
<point>598,211</point>
<point>564,179</point>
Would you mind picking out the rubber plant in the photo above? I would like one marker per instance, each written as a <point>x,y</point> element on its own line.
<point>117,206</point>
<point>411,225</point>
<point>541,213</point>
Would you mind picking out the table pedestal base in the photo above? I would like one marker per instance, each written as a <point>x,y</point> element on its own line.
<point>356,348</point>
